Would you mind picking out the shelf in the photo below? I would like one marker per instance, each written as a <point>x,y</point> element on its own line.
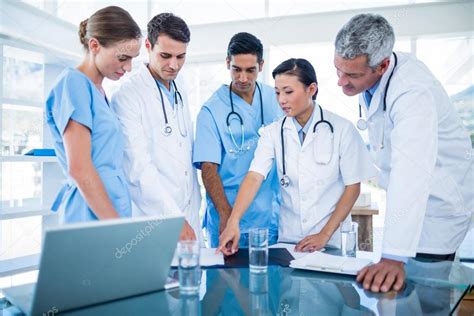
<point>22,212</point>
<point>28,159</point>
<point>21,264</point>
<point>18,102</point>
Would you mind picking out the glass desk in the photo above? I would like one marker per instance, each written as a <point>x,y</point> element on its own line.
<point>431,288</point>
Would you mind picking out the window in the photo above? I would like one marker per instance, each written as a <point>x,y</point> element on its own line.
<point>209,11</point>
<point>453,66</point>
<point>77,11</point>
<point>21,126</point>
<point>36,3</point>
<point>293,7</point>
<point>201,80</point>
<point>23,66</point>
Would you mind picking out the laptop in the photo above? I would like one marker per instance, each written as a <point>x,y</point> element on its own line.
<point>95,262</point>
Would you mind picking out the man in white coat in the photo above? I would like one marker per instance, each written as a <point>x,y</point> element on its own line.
<point>420,146</point>
<point>154,113</point>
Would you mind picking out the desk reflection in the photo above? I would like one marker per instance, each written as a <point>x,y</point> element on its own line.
<point>432,288</point>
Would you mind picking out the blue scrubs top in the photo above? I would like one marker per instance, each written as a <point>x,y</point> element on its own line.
<point>75,97</point>
<point>167,93</point>
<point>213,143</point>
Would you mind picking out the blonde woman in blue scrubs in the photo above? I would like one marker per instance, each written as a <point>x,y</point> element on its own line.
<point>87,136</point>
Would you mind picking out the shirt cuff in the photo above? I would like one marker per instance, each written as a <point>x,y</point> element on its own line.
<point>396,258</point>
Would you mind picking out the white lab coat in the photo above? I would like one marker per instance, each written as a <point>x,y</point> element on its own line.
<point>314,190</point>
<point>159,170</point>
<point>426,162</point>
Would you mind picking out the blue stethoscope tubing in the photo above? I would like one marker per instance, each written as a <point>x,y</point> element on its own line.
<point>241,121</point>
<point>285,180</point>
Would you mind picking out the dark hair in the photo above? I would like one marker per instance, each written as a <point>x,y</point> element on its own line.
<point>108,25</point>
<point>245,43</point>
<point>168,24</point>
<point>300,68</point>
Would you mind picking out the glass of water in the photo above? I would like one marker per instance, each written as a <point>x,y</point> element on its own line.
<point>258,250</point>
<point>349,239</point>
<point>188,268</point>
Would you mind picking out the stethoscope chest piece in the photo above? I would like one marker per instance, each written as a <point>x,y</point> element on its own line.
<point>167,130</point>
<point>260,130</point>
<point>285,181</point>
<point>362,124</point>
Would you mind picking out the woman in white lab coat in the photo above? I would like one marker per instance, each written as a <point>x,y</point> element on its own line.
<point>321,160</point>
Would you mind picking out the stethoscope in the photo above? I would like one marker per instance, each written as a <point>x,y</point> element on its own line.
<point>167,130</point>
<point>361,123</point>
<point>285,180</point>
<point>237,116</point>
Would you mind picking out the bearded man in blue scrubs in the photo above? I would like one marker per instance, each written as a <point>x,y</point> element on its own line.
<point>227,133</point>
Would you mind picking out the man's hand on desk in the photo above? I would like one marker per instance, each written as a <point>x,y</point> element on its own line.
<point>383,276</point>
<point>312,243</point>
<point>187,233</point>
<point>229,239</point>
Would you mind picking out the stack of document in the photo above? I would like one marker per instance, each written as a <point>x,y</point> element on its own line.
<point>318,261</point>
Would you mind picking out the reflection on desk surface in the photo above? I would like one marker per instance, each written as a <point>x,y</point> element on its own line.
<point>432,288</point>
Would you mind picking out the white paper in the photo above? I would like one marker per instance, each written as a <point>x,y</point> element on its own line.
<point>319,261</point>
<point>171,283</point>
<point>207,257</point>
<point>291,250</point>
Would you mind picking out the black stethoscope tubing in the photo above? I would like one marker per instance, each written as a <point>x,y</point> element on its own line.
<point>233,112</point>
<point>384,94</point>
<point>285,180</point>
<point>167,130</point>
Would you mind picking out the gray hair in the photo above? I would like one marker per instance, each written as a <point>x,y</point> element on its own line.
<point>366,34</point>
